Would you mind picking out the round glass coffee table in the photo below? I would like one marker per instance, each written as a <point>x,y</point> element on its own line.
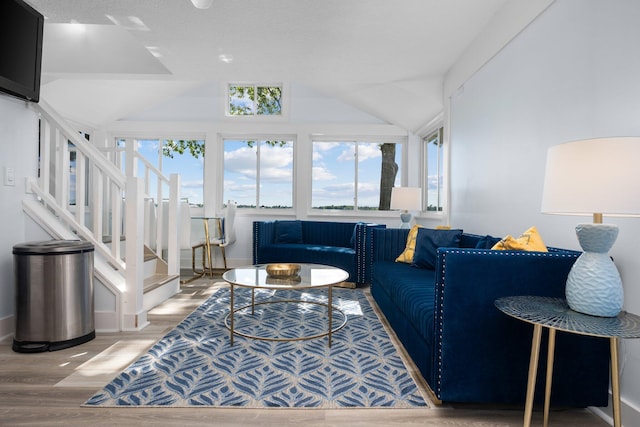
<point>310,276</point>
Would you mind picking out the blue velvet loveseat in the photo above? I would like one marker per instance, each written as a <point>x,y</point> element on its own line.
<point>466,349</point>
<point>345,245</point>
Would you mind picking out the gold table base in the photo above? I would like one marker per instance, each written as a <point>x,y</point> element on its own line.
<point>229,319</point>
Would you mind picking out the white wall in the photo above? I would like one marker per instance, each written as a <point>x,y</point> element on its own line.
<point>571,74</point>
<point>19,147</point>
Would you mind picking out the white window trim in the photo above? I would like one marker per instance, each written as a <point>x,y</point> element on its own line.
<point>255,118</point>
<point>219,203</point>
<point>356,214</point>
<point>436,126</point>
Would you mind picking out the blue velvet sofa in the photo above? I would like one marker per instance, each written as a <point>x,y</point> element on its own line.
<point>345,245</point>
<point>465,348</point>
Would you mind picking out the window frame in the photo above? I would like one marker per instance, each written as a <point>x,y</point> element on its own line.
<point>437,132</point>
<point>284,102</point>
<point>375,139</point>
<point>258,138</point>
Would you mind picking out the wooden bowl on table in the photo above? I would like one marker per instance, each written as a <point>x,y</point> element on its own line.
<point>282,270</point>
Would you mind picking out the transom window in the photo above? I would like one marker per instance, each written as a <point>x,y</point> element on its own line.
<point>355,175</point>
<point>259,173</point>
<point>254,100</point>
<point>434,182</point>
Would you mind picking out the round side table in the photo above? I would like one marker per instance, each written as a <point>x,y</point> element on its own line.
<point>555,315</point>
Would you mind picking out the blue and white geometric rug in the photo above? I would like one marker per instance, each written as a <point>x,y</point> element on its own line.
<point>194,365</point>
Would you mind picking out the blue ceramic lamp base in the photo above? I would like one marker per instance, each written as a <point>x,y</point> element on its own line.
<point>594,286</point>
<point>405,219</point>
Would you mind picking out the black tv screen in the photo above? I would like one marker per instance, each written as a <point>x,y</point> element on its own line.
<point>20,49</point>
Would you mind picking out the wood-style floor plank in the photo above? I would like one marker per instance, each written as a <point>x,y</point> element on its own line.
<point>47,389</point>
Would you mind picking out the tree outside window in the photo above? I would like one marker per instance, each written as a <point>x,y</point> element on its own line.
<point>354,175</point>
<point>259,173</point>
<point>255,100</point>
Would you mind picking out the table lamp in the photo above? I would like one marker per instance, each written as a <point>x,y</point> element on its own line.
<point>406,199</point>
<point>594,177</point>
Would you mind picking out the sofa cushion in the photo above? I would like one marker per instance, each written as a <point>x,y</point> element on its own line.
<point>487,242</point>
<point>288,232</point>
<point>412,290</point>
<point>530,240</point>
<point>407,254</point>
<point>427,243</point>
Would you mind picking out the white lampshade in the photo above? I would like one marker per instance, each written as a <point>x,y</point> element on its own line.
<point>406,198</point>
<point>593,176</point>
<point>202,4</point>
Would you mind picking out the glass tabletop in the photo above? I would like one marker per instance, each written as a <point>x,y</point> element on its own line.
<point>555,313</point>
<point>310,276</point>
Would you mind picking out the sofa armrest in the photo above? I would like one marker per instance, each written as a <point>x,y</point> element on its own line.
<point>468,281</point>
<point>263,235</point>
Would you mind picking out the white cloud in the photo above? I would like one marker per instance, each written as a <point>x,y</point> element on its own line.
<point>432,182</point>
<point>340,188</point>
<point>347,155</point>
<point>275,164</point>
<point>368,189</point>
<point>325,146</point>
<point>192,184</point>
<point>368,151</point>
<point>321,173</point>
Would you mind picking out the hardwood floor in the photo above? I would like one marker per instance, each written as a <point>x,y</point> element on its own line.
<point>47,389</point>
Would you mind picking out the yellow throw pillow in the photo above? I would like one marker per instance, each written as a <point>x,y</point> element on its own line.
<point>529,241</point>
<point>410,248</point>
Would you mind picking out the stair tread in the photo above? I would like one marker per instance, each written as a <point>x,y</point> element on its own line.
<point>157,280</point>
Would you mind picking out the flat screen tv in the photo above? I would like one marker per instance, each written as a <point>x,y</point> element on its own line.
<point>20,49</point>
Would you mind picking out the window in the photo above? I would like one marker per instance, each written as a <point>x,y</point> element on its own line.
<point>254,100</point>
<point>354,175</point>
<point>183,157</point>
<point>434,185</point>
<point>259,173</point>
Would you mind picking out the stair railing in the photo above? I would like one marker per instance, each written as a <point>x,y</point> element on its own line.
<point>91,196</point>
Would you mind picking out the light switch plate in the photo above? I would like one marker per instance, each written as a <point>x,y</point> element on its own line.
<point>9,177</point>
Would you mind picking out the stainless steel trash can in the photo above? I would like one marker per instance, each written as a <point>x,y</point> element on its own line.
<point>54,295</point>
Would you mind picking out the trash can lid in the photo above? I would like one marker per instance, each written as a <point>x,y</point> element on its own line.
<point>57,247</point>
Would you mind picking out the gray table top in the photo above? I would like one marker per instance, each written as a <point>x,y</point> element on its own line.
<point>555,313</point>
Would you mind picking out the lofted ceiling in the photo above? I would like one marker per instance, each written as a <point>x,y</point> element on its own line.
<point>104,60</point>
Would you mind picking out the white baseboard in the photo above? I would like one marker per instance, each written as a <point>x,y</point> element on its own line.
<point>630,413</point>
<point>135,322</point>
<point>106,321</point>
<point>7,327</point>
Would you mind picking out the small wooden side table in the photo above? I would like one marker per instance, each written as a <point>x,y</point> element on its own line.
<point>555,315</point>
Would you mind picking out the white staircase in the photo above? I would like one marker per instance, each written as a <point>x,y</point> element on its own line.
<point>81,193</point>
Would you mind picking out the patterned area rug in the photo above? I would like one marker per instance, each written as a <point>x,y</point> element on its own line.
<point>194,364</point>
